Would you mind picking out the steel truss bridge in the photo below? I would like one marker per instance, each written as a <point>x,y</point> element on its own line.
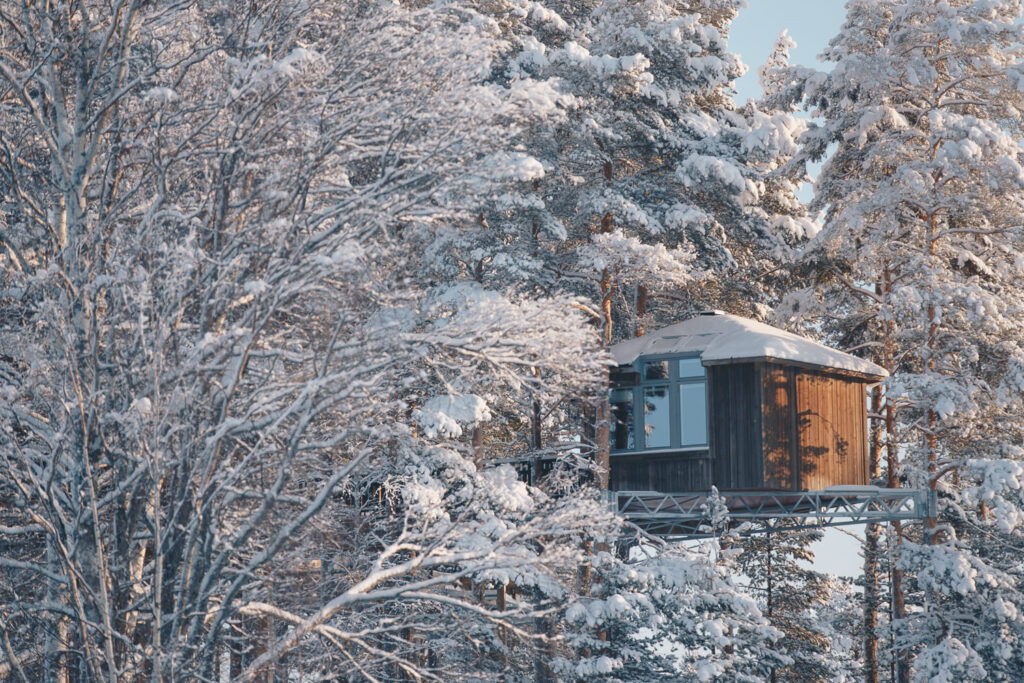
<point>685,515</point>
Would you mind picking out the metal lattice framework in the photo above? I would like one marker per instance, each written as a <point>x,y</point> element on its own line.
<point>686,514</point>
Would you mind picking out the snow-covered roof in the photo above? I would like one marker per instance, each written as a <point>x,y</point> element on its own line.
<point>721,338</point>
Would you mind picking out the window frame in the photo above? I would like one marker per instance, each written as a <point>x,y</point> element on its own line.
<point>673,383</point>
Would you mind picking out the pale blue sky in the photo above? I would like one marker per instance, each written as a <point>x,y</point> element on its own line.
<point>811,23</point>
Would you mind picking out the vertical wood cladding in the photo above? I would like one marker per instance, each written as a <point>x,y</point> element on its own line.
<point>734,411</point>
<point>779,427</point>
<point>831,430</point>
<point>784,427</point>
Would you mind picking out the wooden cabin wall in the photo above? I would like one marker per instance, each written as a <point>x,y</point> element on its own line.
<point>735,417</point>
<point>831,430</point>
<point>668,473</point>
<point>814,429</point>
<point>778,427</point>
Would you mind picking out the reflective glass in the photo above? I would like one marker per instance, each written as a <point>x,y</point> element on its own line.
<point>693,410</point>
<point>656,369</point>
<point>657,418</point>
<point>690,367</point>
<point>622,437</point>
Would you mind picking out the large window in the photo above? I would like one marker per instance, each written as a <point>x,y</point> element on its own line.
<point>659,403</point>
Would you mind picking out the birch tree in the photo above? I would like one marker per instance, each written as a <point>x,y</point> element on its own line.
<point>230,413</point>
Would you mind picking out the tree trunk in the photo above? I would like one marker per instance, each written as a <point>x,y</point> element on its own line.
<point>606,304</point>
<point>55,643</point>
<point>536,439</point>
<point>535,426</point>
<point>602,444</point>
<point>770,601</point>
<point>871,549</point>
<point>477,440</point>
<point>898,606</point>
<point>500,604</point>
<point>871,537</point>
<point>641,309</point>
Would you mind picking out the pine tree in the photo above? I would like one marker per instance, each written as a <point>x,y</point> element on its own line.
<point>672,612</point>
<point>792,596</point>
<point>649,157</point>
<point>916,263</point>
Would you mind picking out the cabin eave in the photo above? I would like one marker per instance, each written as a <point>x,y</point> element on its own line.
<point>867,378</point>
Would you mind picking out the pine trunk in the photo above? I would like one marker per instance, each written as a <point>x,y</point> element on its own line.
<point>770,601</point>
<point>898,606</point>
<point>602,441</point>
<point>871,549</point>
<point>931,419</point>
<point>478,446</point>
<point>606,305</point>
<point>641,309</point>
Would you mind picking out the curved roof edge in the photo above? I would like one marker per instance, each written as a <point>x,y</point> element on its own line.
<point>723,338</point>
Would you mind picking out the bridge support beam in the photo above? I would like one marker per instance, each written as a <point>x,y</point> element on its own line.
<point>683,515</point>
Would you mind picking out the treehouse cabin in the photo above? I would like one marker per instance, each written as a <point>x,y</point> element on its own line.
<point>726,401</point>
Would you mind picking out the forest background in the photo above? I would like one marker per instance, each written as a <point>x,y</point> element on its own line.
<point>285,286</point>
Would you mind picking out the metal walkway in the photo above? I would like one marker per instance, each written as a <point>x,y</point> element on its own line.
<point>686,514</point>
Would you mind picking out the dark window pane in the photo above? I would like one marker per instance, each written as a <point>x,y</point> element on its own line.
<point>657,418</point>
<point>622,437</point>
<point>690,367</point>
<point>656,369</point>
<point>694,413</point>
